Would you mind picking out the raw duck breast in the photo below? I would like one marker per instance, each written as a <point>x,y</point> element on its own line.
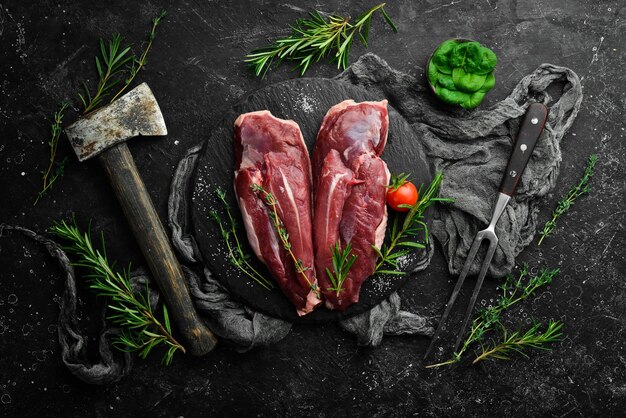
<point>270,152</point>
<point>350,193</point>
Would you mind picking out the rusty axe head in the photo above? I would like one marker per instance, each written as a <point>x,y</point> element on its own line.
<point>137,113</point>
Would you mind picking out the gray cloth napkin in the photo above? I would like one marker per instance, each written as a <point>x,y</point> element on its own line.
<point>471,148</point>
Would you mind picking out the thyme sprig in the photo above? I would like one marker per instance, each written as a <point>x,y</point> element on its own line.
<point>514,290</point>
<point>517,342</point>
<point>342,263</point>
<point>315,38</point>
<point>567,201</point>
<point>141,331</point>
<point>404,235</point>
<point>236,254</point>
<point>54,169</point>
<point>270,200</point>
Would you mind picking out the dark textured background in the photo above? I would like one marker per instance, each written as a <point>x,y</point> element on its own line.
<point>196,70</point>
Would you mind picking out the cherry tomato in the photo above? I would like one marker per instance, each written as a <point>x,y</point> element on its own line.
<point>405,194</point>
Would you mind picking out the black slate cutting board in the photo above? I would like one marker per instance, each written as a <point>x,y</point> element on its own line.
<point>306,101</point>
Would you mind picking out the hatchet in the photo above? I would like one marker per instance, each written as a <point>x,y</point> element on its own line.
<point>103,133</point>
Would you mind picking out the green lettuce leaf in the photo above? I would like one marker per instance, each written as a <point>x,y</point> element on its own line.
<point>445,81</point>
<point>490,81</point>
<point>474,100</point>
<point>441,56</point>
<point>462,52</point>
<point>467,82</point>
<point>487,61</point>
<point>433,73</point>
<point>452,96</point>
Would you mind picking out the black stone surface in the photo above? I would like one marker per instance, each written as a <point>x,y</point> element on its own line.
<point>306,101</point>
<point>196,68</point>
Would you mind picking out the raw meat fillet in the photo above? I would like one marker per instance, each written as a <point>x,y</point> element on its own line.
<point>350,193</point>
<point>271,152</point>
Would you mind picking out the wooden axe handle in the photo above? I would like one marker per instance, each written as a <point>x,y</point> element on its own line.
<point>148,230</point>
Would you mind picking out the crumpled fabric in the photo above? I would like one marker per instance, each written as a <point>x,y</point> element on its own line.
<point>473,148</point>
<point>113,364</point>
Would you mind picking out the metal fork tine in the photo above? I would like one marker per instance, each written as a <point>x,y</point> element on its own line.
<point>459,283</point>
<point>493,243</point>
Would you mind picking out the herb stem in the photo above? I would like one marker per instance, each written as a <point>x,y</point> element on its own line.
<point>114,60</point>
<point>138,64</point>
<point>237,257</point>
<point>342,263</point>
<point>270,200</point>
<point>513,291</point>
<point>315,38</point>
<point>48,177</point>
<point>518,342</point>
<point>567,201</point>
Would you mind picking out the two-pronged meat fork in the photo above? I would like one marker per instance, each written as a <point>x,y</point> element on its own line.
<point>529,133</point>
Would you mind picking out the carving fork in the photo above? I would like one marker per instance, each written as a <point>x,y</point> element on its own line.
<point>530,130</point>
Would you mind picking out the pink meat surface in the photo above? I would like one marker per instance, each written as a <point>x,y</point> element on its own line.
<point>350,193</point>
<point>271,152</point>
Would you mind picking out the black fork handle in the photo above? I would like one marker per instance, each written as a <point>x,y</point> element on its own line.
<point>527,138</point>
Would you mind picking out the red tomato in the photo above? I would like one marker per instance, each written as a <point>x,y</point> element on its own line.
<point>406,194</point>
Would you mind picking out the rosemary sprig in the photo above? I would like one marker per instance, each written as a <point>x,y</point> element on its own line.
<point>517,342</point>
<point>49,176</point>
<point>315,38</point>
<point>404,236</point>
<point>514,290</point>
<point>115,59</point>
<point>271,202</point>
<point>342,263</point>
<point>138,63</point>
<point>132,311</point>
<point>574,193</point>
<point>236,255</point>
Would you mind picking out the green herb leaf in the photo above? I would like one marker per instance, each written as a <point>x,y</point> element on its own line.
<point>315,38</point>
<point>568,200</point>
<point>53,170</point>
<point>141,330</point>
<point>139,63</point>
<point>391,272</point>
<point>236,254</point>
<point>279,226</point>
<point>405,232</point>
<point>342,263</point>
<point>514,290</point>
<point>517,342</point>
